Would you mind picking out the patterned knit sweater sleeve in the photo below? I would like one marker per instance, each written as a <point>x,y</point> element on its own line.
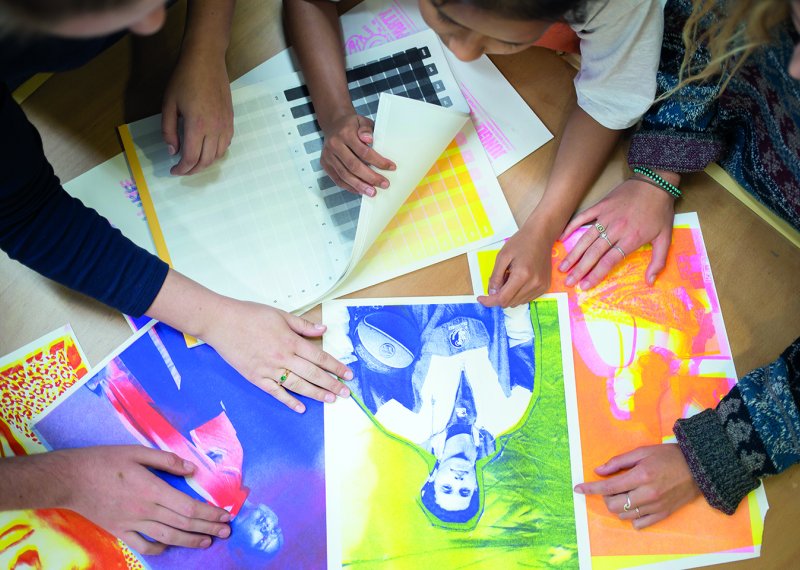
<point>680,133</point>
<point>754,432</point>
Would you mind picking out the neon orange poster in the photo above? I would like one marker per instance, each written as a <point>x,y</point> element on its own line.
<point>645,356</point>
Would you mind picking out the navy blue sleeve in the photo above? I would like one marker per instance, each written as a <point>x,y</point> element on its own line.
<point>45,228</point>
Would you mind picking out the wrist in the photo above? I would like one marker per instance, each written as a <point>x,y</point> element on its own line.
<point>673,178</point>
<point>329,116</point>
<point>545,225</point>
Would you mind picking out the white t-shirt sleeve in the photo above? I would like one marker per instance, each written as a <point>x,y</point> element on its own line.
<point>620,50</point>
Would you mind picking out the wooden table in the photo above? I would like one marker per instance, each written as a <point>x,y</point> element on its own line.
<point>756,270</point>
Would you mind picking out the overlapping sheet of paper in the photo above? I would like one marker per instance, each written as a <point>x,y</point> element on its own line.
<point>264,224</point>
<point>645,356</point>
<point>507,127</point>
<point>254,456</point>
<point>31,379</point>
<point>504,378</point>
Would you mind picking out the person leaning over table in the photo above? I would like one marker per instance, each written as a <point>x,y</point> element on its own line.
<point>52,233</point>
<point>619,45</point>
<point>751,101</point>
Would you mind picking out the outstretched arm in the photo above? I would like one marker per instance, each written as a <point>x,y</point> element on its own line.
<point>522,269</point>
<point>115,489</point>
<point>261,342</point>
<point>313,29</point>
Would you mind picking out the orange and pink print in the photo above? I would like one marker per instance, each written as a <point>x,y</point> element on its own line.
<point>645,356</point>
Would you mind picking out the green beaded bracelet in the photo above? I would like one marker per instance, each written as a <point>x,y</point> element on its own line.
<point>671,189</point>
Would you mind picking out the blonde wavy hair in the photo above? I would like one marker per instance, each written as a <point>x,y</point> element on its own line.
<point>739,27</point>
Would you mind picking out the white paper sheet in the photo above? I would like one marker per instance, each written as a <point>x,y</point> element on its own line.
<point>507,127</point>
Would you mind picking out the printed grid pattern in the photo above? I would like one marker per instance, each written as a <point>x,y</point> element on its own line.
<point>405,73</point>
<point>284,250</point>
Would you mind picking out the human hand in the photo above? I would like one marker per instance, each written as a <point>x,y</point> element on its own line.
<point>113,487</point>
<point>347,154</point>
<point>633,214</point>
<point>521,271</point>
<point>200,93</point>
<point>657,482</point>
<point>263,343</point>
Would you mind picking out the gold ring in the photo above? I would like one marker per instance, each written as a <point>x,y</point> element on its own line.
<point>284,376</point>
<point>600,228</point>
<point>627,506</point>
<point>604,235</point>
<point>638,514</point>
<point>619,249</point>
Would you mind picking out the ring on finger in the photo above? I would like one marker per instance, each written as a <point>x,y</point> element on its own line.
<point>638,513</point>
<point>627,506</point>
<point>600,228</point>
<point>619,249</point>
<point>604,235</point>
<point>284,376</point>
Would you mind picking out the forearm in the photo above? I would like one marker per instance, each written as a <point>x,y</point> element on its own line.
<point>321,56</point>
<point>32,482</point>
<point>582,155</point>
<point>186,305</point>
<point>208,27</point>
<point>751,434</point>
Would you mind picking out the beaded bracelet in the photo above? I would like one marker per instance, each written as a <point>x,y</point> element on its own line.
<point>671,189</point>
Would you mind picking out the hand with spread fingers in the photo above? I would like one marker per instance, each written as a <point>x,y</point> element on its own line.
<point>632,215</point>
<point>645,485</point>
<point>347,155</point>
<point>270,348</point>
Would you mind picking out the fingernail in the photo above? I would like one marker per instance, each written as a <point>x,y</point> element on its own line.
<point>569,281</point>
<point>299,408</point>
<point>578,489</point>
<point>651,279</point>
<point>385,184</point>
<point>330,398</point>
<point>188,465</point>
<point>171,149</point>
<point>319,326</point>
<point>224,532</point>
<point>564,266</point>
<point>344,393</point>
<point>392,167</point>
<point>369,191</point>
<point>585,284</point>
<point>226,517</point>
<point>492,291</point>
<point>205,543</point>
<point>348,375</point>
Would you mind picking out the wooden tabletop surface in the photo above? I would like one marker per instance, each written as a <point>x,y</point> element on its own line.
<point>756,270</point>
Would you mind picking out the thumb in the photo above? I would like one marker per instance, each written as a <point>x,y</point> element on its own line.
<point>365,129</point>
<point>658,257</point>
<point>304,327</point>
<point>169,128</point>
<point>620,462</point>
<point>165,461</point>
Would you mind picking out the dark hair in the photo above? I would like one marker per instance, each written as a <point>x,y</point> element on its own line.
<point>547,10</point>
<point>428,498</point>
<point>30,13</point>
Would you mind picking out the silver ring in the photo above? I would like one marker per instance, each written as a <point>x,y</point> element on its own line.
<point>604,235</point>
<point>599,227</point>
<point>638,514</point>
<point>619,249</point>
<point>627,506</point>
